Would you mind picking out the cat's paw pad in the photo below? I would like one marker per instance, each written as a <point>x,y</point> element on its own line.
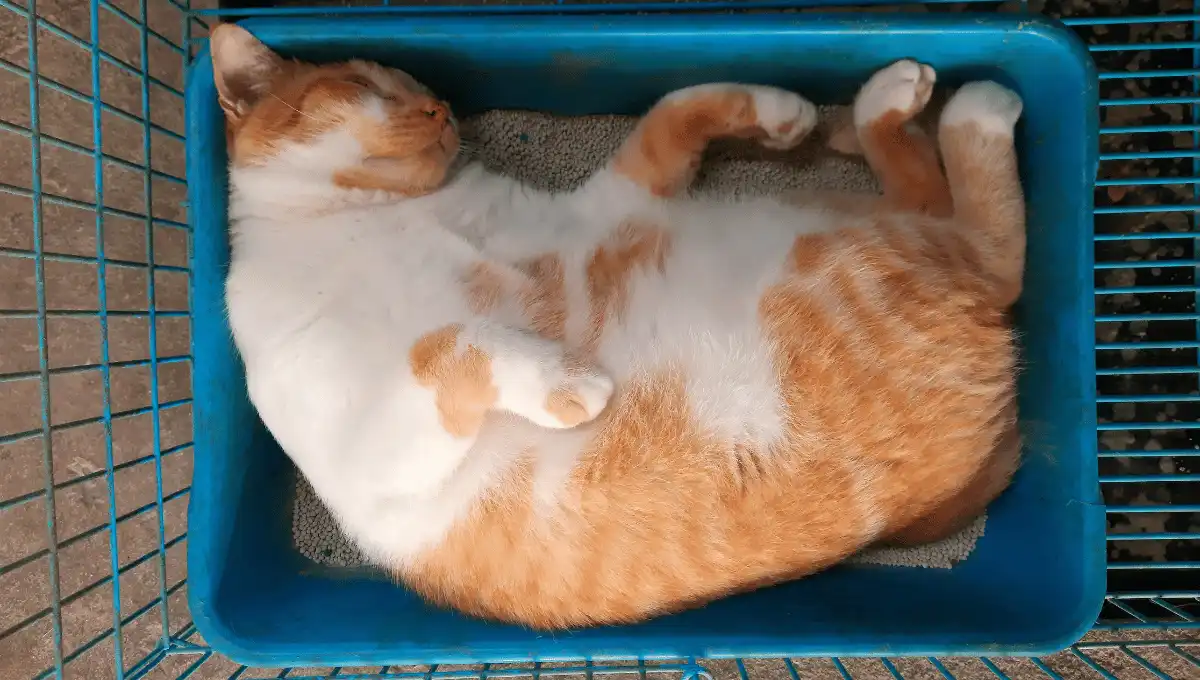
<point>785,117</point>
<point>993,107</point>
<point>903,87</point>
<point>577,400</point>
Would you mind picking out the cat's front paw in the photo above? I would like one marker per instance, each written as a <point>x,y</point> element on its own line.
<point>902,89</point>
<point>550,388</point>
<point>577,400</point>
<point>785,117</point>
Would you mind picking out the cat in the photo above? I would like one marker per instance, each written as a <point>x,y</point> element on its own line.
<point>611,404</point>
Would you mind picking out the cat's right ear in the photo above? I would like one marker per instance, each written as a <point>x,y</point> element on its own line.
<point>243,68</point>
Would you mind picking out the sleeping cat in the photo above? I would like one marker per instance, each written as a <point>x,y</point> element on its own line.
<point>601,406</point>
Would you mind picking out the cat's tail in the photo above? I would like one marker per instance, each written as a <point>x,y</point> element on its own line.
<point>976,138</point>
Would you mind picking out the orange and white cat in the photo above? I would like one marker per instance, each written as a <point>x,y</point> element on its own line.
<point>600,406</point>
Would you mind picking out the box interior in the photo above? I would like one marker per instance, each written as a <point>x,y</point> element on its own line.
<point>1034,583</point>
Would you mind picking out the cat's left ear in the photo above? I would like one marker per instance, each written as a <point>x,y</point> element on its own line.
<point>243,68</point>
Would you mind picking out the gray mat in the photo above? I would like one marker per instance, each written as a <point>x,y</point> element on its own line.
<point>559,154</point>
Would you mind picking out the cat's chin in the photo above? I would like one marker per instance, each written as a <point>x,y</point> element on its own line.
<point>412,175</point>
<point>406,176</point>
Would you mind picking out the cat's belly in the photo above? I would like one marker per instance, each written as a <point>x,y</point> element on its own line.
<point>779,405</point>
<point>697,317</point>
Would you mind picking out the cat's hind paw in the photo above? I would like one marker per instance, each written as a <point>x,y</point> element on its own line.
<point>991,106</point>
<point>903,88</point>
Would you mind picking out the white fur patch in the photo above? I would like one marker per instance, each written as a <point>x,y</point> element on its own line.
<point>700,91</point>
<point>904,86</point>
<point>528,369</point>
<point>994,108</point>
<point>786,117</point>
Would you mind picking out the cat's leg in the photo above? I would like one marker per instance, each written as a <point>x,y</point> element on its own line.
<point>481,366</point>
<point>664,151</point>
<point>976,137</point>
<point>900,154</point>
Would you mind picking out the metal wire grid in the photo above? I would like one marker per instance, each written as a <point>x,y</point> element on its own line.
<point>37,382</point>
<point>1147,317</point>
<point>1146,352</point>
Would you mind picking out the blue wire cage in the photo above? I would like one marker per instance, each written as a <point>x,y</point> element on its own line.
<point>95,365</point>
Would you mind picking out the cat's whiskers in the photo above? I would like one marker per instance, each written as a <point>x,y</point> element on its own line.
<point>467,147</point>
<point>302,113</point>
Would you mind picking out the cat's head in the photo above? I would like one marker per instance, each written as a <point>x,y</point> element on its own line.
<point>361,125</point>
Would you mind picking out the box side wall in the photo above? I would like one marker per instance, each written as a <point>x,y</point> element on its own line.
<point>271,616</point>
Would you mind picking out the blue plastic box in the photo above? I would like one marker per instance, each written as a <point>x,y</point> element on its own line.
<point>1035,582</point>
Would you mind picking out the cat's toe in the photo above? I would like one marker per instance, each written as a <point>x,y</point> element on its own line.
<point>578,400</point>
<point>991,106</point>
<point>784,116</point>
<point>904,88</point>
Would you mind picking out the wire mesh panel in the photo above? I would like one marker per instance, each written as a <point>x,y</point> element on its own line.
<point>95,424</point>
<point>95,371</point>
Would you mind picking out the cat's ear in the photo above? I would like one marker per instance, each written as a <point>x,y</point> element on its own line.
<point>243,68</point>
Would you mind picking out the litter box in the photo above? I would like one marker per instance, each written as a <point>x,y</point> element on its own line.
<point>1035,581</point>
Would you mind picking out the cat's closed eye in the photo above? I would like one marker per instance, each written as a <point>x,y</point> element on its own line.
<point>365,83</point>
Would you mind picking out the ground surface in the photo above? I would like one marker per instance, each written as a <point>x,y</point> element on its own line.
<point>78,395</point>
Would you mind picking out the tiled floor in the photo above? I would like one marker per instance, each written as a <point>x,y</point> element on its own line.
<point>77,392</point>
